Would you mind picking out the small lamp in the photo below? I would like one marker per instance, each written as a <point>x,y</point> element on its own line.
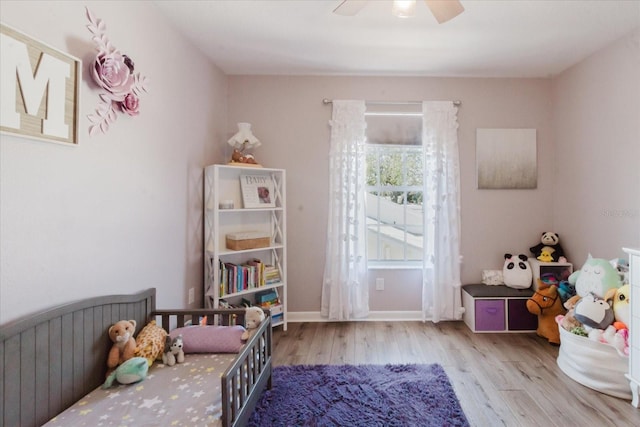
<point>242,140</point>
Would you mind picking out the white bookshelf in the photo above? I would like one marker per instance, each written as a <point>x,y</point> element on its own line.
<point>222,185</point>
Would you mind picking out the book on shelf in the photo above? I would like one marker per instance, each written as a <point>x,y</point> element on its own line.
<point>271,274</point>
<point>259,271</point>
<point>253,274</point>
<point>268,299</point>
<point>276,319</point>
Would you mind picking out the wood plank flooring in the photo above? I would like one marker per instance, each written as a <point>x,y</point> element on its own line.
<point>500,379</point>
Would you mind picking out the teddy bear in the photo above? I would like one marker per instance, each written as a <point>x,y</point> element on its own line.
<point>253,317</point>
<point>124,344</point>
<point>173,352</point>
<point>549,249</point>
<point>238,157</point>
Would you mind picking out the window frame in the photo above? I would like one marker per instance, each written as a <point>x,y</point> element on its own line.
<point>379,151</point>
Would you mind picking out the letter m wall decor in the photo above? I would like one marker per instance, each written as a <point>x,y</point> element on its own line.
<point>40,89</point>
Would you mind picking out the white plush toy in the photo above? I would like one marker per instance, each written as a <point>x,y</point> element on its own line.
<point>517,271</point>
<point>252,318</point>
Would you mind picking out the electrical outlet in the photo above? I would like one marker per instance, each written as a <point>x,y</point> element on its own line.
<point>192,295</point>
<point>380,284</point>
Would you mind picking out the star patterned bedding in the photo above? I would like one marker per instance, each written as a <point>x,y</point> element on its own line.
<point>186,394</point>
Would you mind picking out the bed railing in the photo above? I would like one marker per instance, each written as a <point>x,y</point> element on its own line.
<point>51,359</point>
<point>248,375</point>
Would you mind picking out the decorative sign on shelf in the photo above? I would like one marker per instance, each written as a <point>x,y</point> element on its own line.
<point>257,191</point>
<point>40,89</point>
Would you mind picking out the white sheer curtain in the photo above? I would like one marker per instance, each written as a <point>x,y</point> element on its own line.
<point>441,263</point>
<point>345,290</point>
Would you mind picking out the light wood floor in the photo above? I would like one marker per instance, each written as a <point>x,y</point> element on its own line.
<point>500,379</point>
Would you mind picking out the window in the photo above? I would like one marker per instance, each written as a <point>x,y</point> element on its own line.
<point>394,185</point>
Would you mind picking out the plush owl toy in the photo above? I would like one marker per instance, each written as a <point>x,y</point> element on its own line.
<point>596,276</point>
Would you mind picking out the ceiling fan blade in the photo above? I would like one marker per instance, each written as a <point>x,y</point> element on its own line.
<point>444,10</point>
<point>350,7</point>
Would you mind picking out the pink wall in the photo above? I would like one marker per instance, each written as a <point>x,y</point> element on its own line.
<point>120,212</point>
<point>287,114</point>
<point>596,104</point>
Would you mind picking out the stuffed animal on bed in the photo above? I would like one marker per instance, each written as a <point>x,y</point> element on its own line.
<point>546,304</point>
<point>549,249</point>
<point>124,344</point>
<point>150,342</point>
<point>173,352</point>
<point>253,317</point>
<point>596,276</point>
<point>129,372</point>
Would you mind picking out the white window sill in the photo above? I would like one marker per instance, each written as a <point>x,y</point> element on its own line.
<point>377,265</point>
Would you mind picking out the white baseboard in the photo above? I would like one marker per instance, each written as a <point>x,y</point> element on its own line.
<point>374,316</point>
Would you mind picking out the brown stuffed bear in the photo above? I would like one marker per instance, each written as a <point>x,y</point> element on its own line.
<point>124,344</point>
<point>239,157</point>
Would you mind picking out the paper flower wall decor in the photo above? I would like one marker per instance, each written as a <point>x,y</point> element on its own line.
<point>114,73</point>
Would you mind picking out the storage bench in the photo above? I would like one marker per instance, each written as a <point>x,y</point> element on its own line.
<point>497,309</point>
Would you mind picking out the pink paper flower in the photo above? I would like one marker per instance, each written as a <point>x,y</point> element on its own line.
<point>114,73</point>
<point>111,72</point>
<point>130,104</point>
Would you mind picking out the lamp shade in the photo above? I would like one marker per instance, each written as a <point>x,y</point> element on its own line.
<point>244,138</point>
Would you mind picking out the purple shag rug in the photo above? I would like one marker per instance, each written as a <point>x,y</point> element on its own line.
<point>359,395</point>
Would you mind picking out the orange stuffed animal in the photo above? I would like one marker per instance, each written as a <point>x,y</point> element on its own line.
<point>124,344</point>
<point>547,304</point>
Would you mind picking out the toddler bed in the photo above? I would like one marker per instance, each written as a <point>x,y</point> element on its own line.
<point>53,364</point>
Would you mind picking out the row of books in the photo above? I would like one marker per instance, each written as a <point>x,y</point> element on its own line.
<point>241,277</point>
<point>268,300</point>
<point>271,300</point>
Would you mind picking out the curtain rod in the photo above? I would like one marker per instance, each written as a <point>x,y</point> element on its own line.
<point>330,101</point>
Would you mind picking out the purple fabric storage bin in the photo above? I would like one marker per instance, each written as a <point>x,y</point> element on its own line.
<point>490,315</point>
<point>519,317</point>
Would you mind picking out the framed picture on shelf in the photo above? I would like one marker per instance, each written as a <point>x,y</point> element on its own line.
<point>257,191</point>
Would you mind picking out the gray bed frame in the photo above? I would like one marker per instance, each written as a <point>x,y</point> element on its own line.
<point>50,360</point>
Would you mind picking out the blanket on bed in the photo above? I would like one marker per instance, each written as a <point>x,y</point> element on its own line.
<point>188,393</point>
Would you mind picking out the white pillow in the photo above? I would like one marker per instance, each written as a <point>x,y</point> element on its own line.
<point>492,277</point>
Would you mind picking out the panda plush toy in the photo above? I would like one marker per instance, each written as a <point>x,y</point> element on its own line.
<point>549,249</point>
<point>517,271</point>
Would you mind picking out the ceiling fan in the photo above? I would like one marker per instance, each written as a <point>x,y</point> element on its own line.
<point>442,10</point>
